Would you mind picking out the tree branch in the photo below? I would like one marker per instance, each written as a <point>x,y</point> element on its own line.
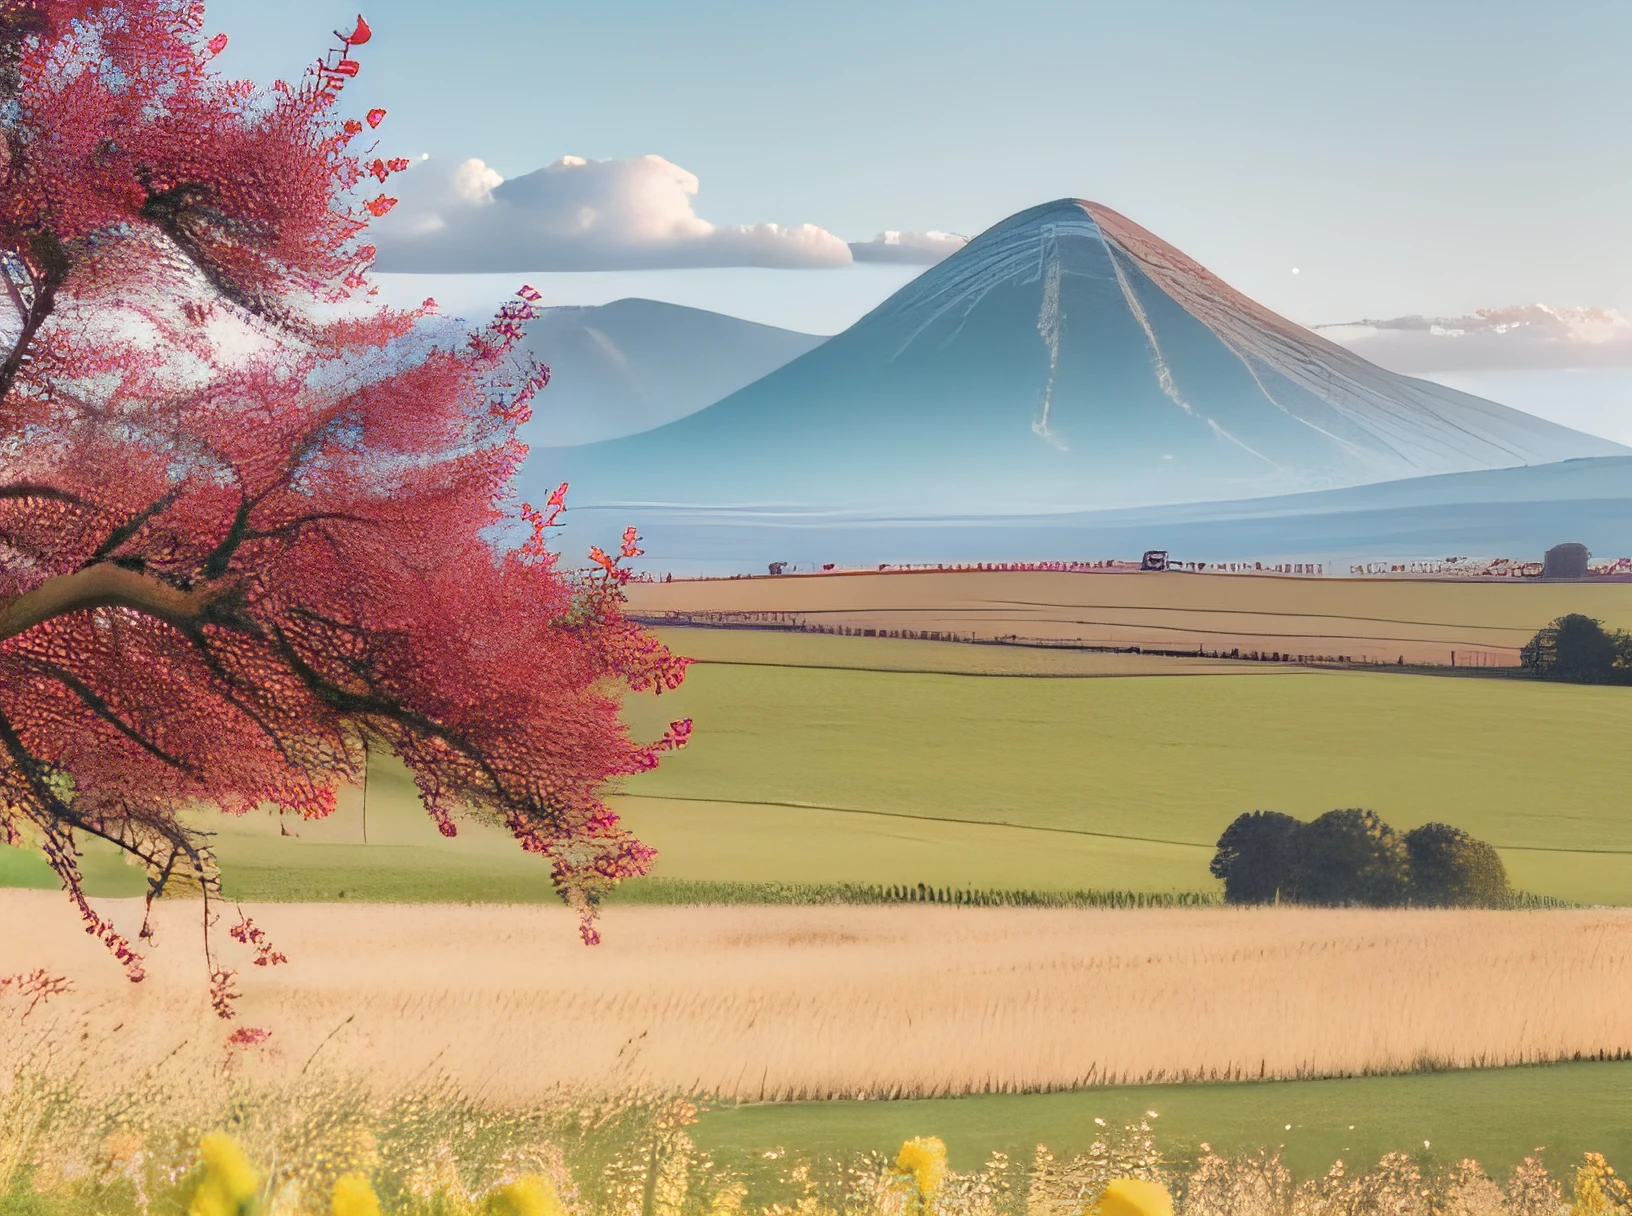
<point>173,212</point>
<point>27,489</point>
<point>215,565</point>
<point>14,295</point>
<point>100,707</point>
<point>293,526</point>
<point>133,525</point>
<point>372,704</point>
<point>53,260</point>
<point>105,586</point>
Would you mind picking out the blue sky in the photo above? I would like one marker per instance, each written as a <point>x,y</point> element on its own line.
<point>1406,157</point>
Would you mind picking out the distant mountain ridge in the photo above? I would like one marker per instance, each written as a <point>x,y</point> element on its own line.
<point>620,368</point>
<point>1064,359</point>
<point>1517,512</point>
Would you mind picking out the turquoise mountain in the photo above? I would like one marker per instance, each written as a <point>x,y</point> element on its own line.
<point>1065,359</point>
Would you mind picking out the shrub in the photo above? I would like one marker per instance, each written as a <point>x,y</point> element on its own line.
<point>1450,869</point>
<point>1254,858</point>
<point>1579,650</point>
<point>1351,857</point>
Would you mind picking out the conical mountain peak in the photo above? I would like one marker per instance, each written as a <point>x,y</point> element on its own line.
<point>1065,358</point>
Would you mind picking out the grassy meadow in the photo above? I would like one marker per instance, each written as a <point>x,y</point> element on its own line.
<point>821,760</point>
<point>328,1146</point>
<point>828,759</point>
<point>1495,1116</point>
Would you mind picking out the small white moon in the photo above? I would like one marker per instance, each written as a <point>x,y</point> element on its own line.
<point>1294,270</point>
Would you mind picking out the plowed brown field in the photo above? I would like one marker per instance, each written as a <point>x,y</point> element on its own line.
<point>1423,620</point>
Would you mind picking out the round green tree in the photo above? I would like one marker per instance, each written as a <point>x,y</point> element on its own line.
<point>1450,869</point>
<point>1578,649</point>
<point>1255,856</point>
<point>1350,857</point>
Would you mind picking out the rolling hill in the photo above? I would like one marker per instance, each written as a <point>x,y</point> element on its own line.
<point>1064,359</point>
<point>632,365</point>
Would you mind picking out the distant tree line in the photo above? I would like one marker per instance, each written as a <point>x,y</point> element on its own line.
<point>1351,857</point>
<point>1579,650</point>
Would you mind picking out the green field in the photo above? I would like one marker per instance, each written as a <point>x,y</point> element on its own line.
<point>827,760</point>
<point>832,760</point>
<point>405,859</point>
<point>812,761</point>
<point>1497,1117</point>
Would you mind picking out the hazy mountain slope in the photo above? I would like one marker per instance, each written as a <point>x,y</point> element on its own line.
<point>631,365</point>
<point>1064,359</point>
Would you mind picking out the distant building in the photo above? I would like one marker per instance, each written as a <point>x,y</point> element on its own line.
<point>1565,561</point>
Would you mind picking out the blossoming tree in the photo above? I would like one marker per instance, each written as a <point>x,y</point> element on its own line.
<point>251,522</point>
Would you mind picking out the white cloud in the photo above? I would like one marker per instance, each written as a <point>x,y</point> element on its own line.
<point>1524,336</point>
<point>917,248</point>
<point>577,214</point>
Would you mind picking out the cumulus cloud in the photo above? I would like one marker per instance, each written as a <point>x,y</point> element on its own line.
<point>1524,336</point>
<point>577,214</point>
<point>916,248</point>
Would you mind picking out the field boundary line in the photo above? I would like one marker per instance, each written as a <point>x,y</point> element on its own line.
<point>1037,827</point>
<point>965,617</point>
<point>983,823</point>
<point>1292,669</point>
<point>1264,612</point>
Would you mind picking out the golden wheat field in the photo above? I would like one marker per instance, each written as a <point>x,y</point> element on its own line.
<point>1422,620</point>
<point>839,1001</point>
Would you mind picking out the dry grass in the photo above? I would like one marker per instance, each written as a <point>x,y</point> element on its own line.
<point>1376,619</point>
<point>443,1154</point>
<point>835,1001</point>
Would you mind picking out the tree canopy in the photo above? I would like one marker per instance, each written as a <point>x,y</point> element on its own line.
<point>1351,857</point>
<point>1450,869</point>
<point>1255,858</point>
<point>1579,650</point>
<point>250,520</point>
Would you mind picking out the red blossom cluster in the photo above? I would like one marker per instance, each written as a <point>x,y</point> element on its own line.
<point>246,933</point>
<point>251,522</point>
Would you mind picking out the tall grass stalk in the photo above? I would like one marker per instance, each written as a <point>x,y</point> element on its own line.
<point>444,1153</point>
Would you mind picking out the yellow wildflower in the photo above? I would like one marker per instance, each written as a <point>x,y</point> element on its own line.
<point>1598,1192</point>
<point>529,1196</point>
<point>229,1183</point>
<point>1135,1197</point>
<point>353,1196</point>
<point>924,1158</point>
